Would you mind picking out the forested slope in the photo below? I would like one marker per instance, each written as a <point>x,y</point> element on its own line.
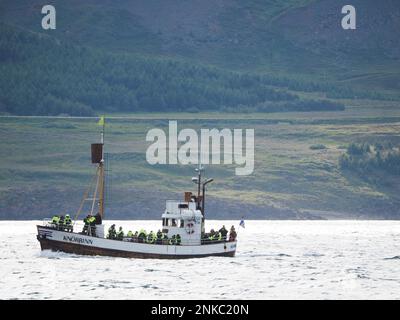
<point>45,76</point>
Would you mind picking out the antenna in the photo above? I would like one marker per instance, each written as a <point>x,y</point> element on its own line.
<point>199,170</point>
<point>204,196</point>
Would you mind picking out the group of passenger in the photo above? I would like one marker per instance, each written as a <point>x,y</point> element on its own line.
<point>90,222</point>
<point>62,223</point>
<point>142,236</point>
<point>218,236</point>
<point>160,237</point>
<point>65,224</point>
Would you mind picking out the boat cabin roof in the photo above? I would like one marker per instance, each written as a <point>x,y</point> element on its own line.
<point>181,210</point>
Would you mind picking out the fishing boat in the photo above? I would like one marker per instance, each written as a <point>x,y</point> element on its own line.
<point>182,219</point>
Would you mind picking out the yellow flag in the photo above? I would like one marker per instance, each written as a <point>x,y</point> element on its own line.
<point>101,121</point>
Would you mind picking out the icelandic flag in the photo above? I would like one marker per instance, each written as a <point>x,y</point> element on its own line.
<point>241,224</point>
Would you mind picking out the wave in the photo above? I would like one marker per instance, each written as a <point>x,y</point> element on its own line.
<point>392,258</point>
<point>313,255</point>
<point>256,255</point>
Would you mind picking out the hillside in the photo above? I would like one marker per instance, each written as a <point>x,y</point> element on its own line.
<point>45,167</point>
<point>274,66</point>
<point>47,77</point>
<point>295,37</point>
<point>196,56</point>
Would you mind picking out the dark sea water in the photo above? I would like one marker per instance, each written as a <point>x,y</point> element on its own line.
<point>274,260</point>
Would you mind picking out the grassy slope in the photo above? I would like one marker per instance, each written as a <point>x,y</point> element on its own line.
<point>45,167</point>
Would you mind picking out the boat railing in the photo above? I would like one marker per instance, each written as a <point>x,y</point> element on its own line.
<point>80,227</point>
<point>46,222</point>
<point>49,223</point>
<point>63,226</point>
<point>183,243</point>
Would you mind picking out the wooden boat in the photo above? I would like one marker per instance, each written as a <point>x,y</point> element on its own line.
<point>181,219</point>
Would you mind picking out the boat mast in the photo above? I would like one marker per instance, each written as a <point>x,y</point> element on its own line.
<point>199,170</point>
<point>98,158</point>
<point>101,174</point>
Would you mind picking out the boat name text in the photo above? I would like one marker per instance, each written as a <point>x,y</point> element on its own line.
<point>78,240</point>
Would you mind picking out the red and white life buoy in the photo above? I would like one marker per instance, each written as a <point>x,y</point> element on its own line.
<point>189,228</point>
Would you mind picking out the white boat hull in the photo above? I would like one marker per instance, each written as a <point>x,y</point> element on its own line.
<point>56,240</point>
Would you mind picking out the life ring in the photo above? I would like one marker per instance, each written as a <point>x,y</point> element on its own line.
<point>189,228</point>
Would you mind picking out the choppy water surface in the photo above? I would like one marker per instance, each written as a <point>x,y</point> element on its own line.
<point>275,260</point>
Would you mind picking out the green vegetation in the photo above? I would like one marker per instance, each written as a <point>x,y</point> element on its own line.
<point>253,56</point>
<point>45,165</point>
<point>318,146</point>
<point>88,80</point>
<point>366,159</point>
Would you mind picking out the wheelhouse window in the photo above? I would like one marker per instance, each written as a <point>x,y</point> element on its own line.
<point>178,223</point>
